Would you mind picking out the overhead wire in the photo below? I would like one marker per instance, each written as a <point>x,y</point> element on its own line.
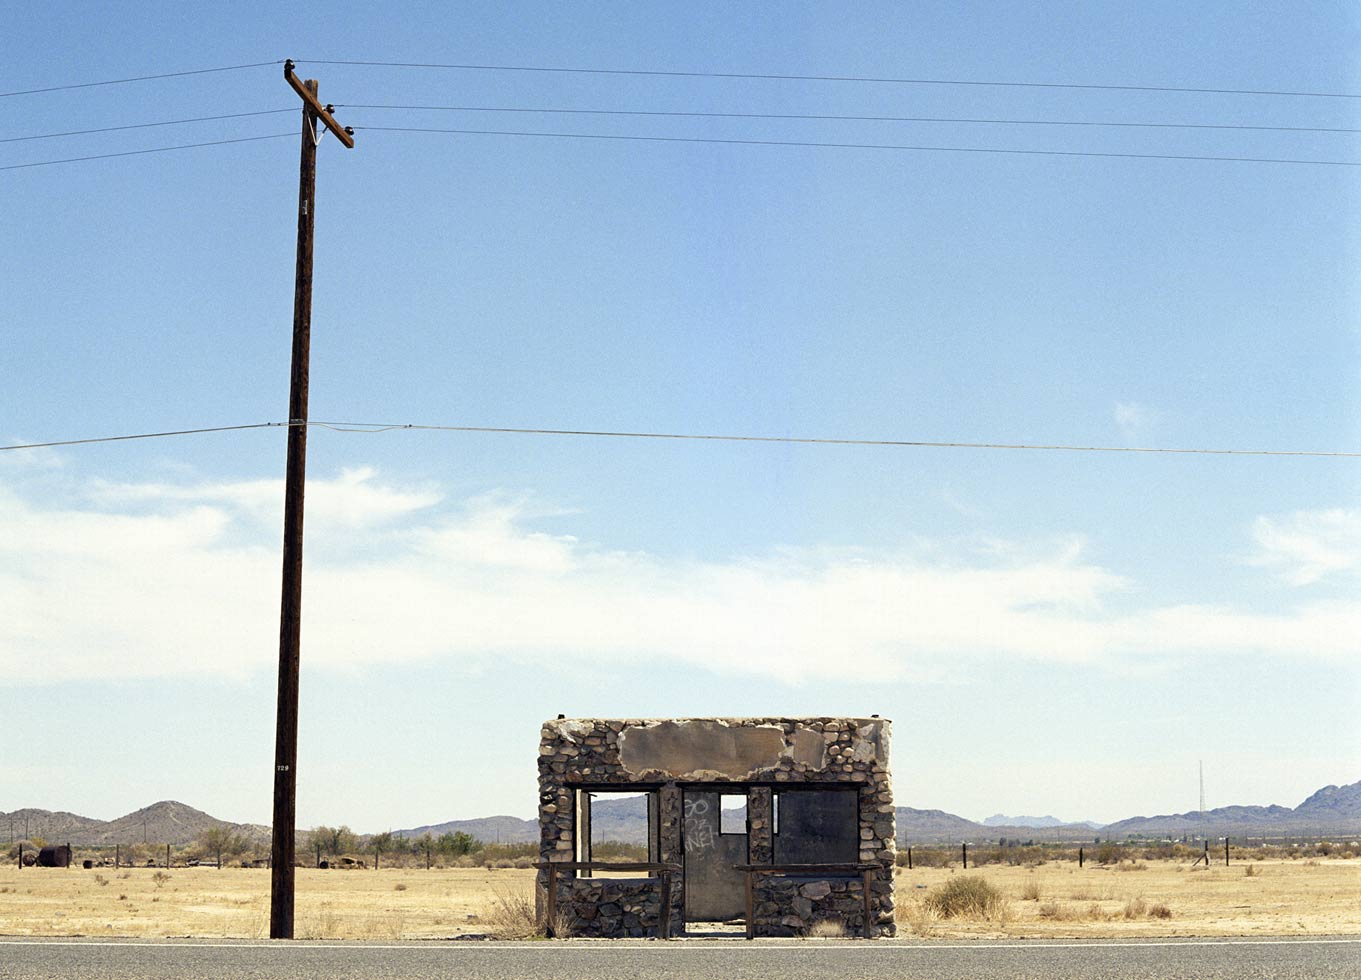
<point>840,78</point>
<point>867,146</point>
<point>146,435</point>
<point>138,78</point>
<point>156,149</point>
<point>148,125</point>
<point>380,427</point>
<point>854,118</point>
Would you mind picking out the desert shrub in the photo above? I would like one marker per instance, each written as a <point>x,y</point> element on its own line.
<point>1251,871</point>
<point>613,850</point>
<point>1159,911</point>
<point>1136,908</point>
<point>1131,866</point>
<point>399,887</point>
<point>1014,855</point>
<point>1030,891</point>
<point>828,929</point>
<point>513,916</point>
<point>933,857</point>
<point>968,896</point>
<point>1109,853</point>
<point>918,916</point>
<point>525,849</point>
<point>510,916</point>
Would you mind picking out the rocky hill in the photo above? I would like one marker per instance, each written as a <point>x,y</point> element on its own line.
<point>167,822</point>
<point>503,829</point>
<point>1332,809</point>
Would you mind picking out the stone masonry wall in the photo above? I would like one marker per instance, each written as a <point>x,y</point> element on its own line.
<point>760,753</point>
<point>791,906</point>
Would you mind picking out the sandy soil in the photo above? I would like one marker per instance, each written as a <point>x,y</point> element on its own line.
<point>1058,900</point>
<point>234,902</point>
<point>1279,898</point>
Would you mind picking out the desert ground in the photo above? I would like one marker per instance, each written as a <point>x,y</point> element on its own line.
<point>1147,899</point>
<point>1051,900</point>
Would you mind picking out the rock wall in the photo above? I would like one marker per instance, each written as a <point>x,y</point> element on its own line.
<point>792,906</point>
<point>758,754</point>
<point>613,908</point>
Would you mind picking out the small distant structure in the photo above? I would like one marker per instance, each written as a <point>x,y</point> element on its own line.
<point>55,856</point>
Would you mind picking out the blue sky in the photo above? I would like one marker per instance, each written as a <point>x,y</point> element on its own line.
<point>1051,632</point>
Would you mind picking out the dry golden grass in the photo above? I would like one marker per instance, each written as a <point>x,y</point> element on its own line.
<point>1053,900</point>
<point>234,902</point>
<point>1164,898</point>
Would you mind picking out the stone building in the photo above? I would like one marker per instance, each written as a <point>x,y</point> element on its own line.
<point>780,822</point>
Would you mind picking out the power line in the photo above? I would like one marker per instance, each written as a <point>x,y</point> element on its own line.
<point>147,435</point>
<point>158,149</point>
<point>867,146</point>
<point>373,428</point>
<point>851,118</point>
<point>167,122</point>
<point>845,78</point>
<point>138,78</point>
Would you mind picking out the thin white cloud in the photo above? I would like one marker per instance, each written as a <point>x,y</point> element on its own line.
<point>167,579</point>
<point>352,500</point>
<point>1308,546</point>
<point>1133,420</point>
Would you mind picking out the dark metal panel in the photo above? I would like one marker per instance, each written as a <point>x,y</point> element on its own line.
<point>713,886</point>
<point>818,826</point>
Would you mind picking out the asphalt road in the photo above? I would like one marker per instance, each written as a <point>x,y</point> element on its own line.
<point>1286,959</point>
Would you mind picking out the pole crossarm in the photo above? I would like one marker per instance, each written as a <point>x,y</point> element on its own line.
<point>343,133</point>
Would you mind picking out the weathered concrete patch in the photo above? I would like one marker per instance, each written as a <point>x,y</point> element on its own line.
<point>808,747</point>
<point>681,748</point>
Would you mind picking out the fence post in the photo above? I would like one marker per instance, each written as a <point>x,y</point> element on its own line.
<point>167,857</point>
<point>551,903</point>
<point>1079,857</point>
<point>664,927</point>
<point>1226,851</point>
<point>116,855</point>
<point>749,904</point>
<point>909,857</point>
<point>868,878</point>
<point>21,855</point>
<point>964,848</point>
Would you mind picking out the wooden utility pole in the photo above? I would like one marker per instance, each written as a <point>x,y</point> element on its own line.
<point>290,606</point>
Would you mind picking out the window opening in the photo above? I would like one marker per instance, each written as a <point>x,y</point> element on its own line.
<point>616,826</point>
<point>732,808</point>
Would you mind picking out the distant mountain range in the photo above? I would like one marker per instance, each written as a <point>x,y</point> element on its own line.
<point>1332,809</point>
<point>167,822</point>
<point>1002,820</point>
